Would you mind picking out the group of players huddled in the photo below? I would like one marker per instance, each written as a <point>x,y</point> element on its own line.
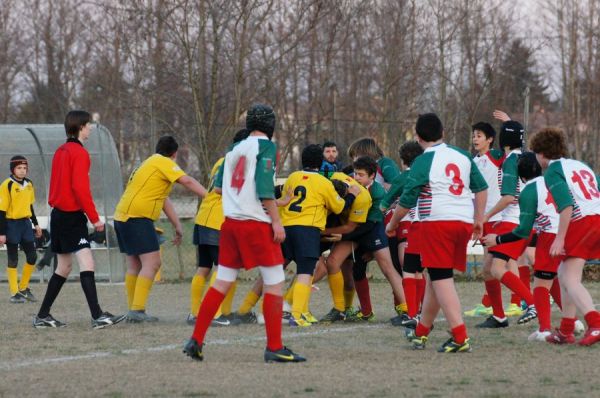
<point>537,207</point>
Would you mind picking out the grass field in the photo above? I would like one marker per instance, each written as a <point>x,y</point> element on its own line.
<point>358,360</point>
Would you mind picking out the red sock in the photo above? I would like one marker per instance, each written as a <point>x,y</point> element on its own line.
<point>272,310</point>
<point>513,282</point>
<point>420,291</point>
<point>494,291</point>
<point>567,325</point>
<point>460,333</point>
<point>555,293</point>
<point>410,292</point>
<point>210,304</point>
<point>515,299</point>
<point>485,300</point>
<point>525,276</point>
<point>364,295</point>
<point>422,330</point>
<point>541,297</point>
<point>592,318</point>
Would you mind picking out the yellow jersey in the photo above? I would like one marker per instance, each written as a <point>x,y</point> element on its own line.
<point>314,196</point>
<point>360,207</point>
<point>210,213</point>
<point>18,201</point>
<point>147,189</point>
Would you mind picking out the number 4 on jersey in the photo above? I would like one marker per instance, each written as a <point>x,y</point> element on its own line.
<point>237,179</point>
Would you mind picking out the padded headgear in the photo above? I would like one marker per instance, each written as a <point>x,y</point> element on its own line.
<point>16,161</point>
<point>528,166</point>
<point>511,135</point>
<point>262,118</point>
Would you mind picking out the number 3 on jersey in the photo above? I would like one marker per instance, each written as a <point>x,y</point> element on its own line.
<point>457,184</point>
<point>299,191</point>
<point>237,179</point>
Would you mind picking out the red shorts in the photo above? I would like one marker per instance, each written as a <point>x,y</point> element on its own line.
<point>402,231</point>
<point>248,244</point>
<point>583,238</point>
<point>543,260</point>
<point>449,244</point>
<point>490,227</point>
<point>512,249</point>
<point>387,217</point>
<point>413,239</point>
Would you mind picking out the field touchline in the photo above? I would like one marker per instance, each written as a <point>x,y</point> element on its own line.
<point>13,365</point>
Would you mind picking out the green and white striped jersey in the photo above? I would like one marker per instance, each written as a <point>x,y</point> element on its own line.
<point>537,209</point>
<point>441,183</point>
<point>573,183</point>
<point>248,175</point>
<point>490,167</point>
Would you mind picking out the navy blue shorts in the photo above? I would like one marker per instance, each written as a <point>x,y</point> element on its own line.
<point>373,240</point>
<point>205,235</point>
<point>19,231</point>
<point>207,241</point>
<point>137,236</point>
<point>302,245</point>
<point>68,231</point>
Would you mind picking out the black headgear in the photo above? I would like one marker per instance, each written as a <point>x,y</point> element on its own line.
<point>16,161</point>
<point>511,135</point>
<point>528,166</point>
<point>262,118</point>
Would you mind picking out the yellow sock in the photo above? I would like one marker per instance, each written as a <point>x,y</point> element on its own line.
<point>12,276</point>
<point>249,301</point>
<point>26,276</point>
<point>348,298</point>
<point>198,282</point>
<point>289,294</point>
<point>142,290</point>
<point>228,301</point>
<point>402,307</point>
<point>336,284</point>
<point>306,309</point>
<point>130,281</point>
<point>301,297</point>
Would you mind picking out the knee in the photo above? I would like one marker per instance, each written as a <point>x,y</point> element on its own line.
<point>31,257</point>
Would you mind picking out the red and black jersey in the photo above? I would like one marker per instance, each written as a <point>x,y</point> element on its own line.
<point>70,180</point>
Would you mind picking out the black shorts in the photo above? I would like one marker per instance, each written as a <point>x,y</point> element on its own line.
<point>302,244</point>
<point>208,255</point>
<point>373,240</point>
<point>19,231</point>
<point>137,236</point>
<point>533,241</point>
<point>68,231</point>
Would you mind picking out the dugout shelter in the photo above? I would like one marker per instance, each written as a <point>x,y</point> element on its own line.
<point>38,142</point>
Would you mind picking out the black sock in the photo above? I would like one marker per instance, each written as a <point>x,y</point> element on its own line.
<point>54,285</point>
<point>88,284</point>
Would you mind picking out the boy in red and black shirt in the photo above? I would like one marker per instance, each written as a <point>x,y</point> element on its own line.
<point>71,200</point>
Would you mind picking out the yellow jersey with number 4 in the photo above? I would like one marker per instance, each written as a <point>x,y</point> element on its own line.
<point>313,197</point>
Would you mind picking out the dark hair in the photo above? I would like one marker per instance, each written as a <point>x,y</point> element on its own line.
<point>241,135</point>
<point>367,164</point>
<point>340,187</point>
<point>550,142</point>
<point>486,129</point>
<point>528,166</point>
<point>329,144</point>
<point>261,117</point>
<point>409,151</point>
<point>166,145</point>
<point>511,135</point>
<point>429,127</point>
<point>312,156</point>
<point>365,147</point>
<point>75,121</point>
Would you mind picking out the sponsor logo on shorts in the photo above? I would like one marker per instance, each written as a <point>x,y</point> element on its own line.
<point>378,242</point>
<point>83,241</point>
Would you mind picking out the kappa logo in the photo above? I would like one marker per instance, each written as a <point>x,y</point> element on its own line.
<point>83,241</point>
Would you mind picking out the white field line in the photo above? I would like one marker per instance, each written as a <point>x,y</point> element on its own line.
<point>134,351</point>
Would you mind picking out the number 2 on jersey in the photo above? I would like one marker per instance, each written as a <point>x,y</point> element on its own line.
<point>299,191</point>
<point>237,179</point>
<point>591,189</point>
<point>457,184</point>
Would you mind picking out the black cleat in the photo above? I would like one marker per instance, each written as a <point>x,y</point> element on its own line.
<point>248,318</point>
<point>529,315</point>
<point>333,316</point>
<point>283,355</point>
<point>451,346</point>
<point>28,295</point>
<point>18,298</point>
<point>225,320</point>
<point>139,316</point>
<point>47,322</point>
<point>107,319</point>
<point>492,323</point>
<point>191,320</point>
<point>193,350</point>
